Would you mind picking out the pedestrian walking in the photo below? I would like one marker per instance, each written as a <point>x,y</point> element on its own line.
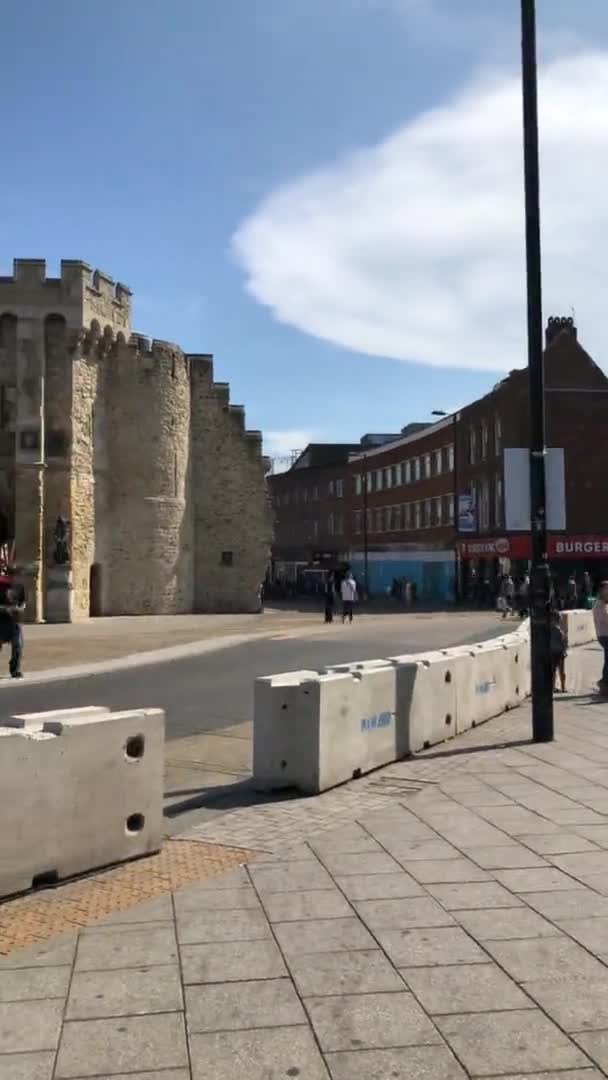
<point>571,593</point>
<point>12,606</point>
<point>506,596</point>
<point>261,597</point>
<point>524,597</point>
<point>559,650</point>
<point>330,599</point>
<point>600,619</point>
<point>587,591</point>
<point>348,591</point>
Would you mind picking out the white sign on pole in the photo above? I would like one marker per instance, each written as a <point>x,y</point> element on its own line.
<point>517,489</point>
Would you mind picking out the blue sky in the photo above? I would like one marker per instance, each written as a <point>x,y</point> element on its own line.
<point>323,193</point>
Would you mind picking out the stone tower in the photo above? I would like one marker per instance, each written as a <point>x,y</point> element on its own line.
<point>133,444</point>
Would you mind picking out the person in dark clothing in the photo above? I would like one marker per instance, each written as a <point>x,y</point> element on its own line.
<point>571,593</point>
<point>559,649</point>
<point>12,606</point>
<point>330,599</point>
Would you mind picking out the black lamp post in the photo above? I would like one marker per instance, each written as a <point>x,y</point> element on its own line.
<point>365,531</point>
<point>455,416</point>
<point>540,607</point>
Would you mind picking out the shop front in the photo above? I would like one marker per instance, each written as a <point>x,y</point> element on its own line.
<point>486,558</point>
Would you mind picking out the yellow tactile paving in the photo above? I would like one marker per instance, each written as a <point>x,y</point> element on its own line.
<point>41,915</point>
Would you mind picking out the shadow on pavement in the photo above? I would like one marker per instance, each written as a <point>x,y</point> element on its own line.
<point>501,745</point>
<point>233,796</point>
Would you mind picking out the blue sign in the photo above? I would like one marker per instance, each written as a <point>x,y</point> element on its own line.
<point>371,723</point>
<point>485,687</point>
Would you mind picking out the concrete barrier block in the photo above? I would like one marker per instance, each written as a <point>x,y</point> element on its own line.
<point>286,731</point>
<point>355,665</point>
<point>579,626</point>
<point>426,700</point>
<point>486,685</point>
<point>86,794</point>
<point>313,731</point>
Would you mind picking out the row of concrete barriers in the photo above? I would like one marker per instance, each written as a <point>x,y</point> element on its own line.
<point>80,789</point>
<point>314,730</point>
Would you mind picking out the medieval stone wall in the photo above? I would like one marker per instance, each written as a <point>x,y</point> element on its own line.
<point>232,520</point>
<point>133,444</point>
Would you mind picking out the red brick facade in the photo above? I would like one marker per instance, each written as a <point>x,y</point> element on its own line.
<point>414,481</point>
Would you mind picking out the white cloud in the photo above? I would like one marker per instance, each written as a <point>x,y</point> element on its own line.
<point>281,444</point>
<point>414,248</point>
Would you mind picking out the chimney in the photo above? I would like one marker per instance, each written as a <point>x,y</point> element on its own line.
<point>559,324</point>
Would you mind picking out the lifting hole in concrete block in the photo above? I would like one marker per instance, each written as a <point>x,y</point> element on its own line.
<point>135,823</point>
<point>448,676</point>
<point>45,880</point>
<point>448,719</point>
<point>134,747</point>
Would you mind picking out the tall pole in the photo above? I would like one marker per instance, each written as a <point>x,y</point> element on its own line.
<point>457,595</point>
<point>365,532</point>
<point>540,607</point>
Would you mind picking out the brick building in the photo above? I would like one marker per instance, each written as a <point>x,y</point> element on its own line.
<point>433,504</point>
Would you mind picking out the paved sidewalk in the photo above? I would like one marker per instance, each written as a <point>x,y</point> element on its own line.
<point>444,918</point>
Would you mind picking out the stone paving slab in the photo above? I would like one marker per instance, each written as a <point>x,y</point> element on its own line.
<point>449,928</point>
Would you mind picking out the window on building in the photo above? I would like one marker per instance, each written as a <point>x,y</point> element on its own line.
<point>305,495</point>
<point>407,515</point>
<point>397,518</point>
<point>315,492</point>
<point>388,518</point>
<point>277,499</point>
<point>358,484</point>
<point>451,509</point>
<point>331,525</point>
<point>379,521</point>
<point>438,511</point>
<point>315,529</point>
<point>451,457</point>
<point>427,466</point>
<point>407,472</point>
<point>438,462</point>
<point>472,446</point>
<point>339,526</point>
<point>398,475</point>
<point>498,520</point>
<point>331,488</point>
<point>484,506</point>
<point>416,468</point>
<point>388,477</point>
<point>358,521</point>
<point>417,515</point>
<point>227,558</point>
<point>484,440</point>
<point>339,489</point>
<point>497,436</point>
<point>370,524</point>
<point>428,513</point>
<point>379,477</point>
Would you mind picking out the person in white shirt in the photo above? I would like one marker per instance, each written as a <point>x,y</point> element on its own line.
<point>348,592</point>
<point>600,619</point>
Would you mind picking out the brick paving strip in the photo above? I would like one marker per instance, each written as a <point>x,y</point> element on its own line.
<point>444,919</point>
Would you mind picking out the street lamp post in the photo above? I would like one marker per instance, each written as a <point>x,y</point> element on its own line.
<point>365,531</point>
<point>455,418</point>
<point>540,607</point>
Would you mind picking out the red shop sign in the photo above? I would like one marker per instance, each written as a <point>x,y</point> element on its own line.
<point>578,547</point>
<point>519,547</point>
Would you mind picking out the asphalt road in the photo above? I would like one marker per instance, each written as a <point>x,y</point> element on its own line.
<point>215,690</point>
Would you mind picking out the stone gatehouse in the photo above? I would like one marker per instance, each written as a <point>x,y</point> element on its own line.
<point>133,445</point>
